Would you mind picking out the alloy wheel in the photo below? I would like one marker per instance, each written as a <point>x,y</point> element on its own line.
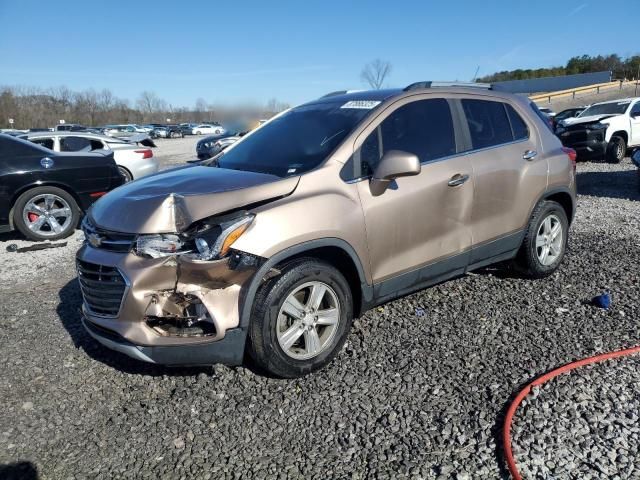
<point>47,215</point>
<point>549,240</point>
<point>308,320</point>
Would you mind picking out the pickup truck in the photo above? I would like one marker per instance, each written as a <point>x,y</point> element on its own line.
<point>604,130</point>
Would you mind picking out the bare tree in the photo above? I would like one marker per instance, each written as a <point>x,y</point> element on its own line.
<point>375,73</point>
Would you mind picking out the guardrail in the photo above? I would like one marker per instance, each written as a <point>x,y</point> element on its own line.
<point>597,88</point>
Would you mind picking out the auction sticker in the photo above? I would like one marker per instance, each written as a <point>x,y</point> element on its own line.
<point>361,104</point>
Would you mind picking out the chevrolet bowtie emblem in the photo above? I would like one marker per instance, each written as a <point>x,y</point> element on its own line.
<point>94,240</point>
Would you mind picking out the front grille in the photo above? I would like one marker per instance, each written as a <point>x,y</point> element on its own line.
<point>102,288</point>
<point>107,240</point>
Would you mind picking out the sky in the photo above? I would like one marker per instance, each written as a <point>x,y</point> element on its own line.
<point>229,52</point>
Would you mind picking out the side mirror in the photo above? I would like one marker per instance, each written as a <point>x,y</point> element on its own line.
<point>393,164</point>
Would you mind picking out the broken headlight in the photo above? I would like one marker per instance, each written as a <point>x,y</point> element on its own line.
<point>208,240</point>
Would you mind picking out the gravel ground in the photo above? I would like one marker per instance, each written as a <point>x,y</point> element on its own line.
<point>583,424</point>
<point>419,391</point>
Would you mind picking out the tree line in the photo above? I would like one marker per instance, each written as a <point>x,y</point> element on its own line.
<point>620,67</point>
<point>32,107</point>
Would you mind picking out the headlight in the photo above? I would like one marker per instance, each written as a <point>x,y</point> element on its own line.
<point>210,240</point>
<point>597,126</point>
<point>211,244</point>
<point>156,246</point>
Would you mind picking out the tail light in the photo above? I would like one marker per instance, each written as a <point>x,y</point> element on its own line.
<point>571,153</point>
<point>146,153</point>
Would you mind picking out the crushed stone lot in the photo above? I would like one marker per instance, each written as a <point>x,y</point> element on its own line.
<point>419,391</point>
<point>583,424</point>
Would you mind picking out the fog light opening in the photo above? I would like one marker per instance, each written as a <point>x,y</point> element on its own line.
<point>194,319</point>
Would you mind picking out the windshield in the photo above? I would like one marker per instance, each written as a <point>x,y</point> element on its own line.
<point>614,108</point>
<point>295,142</point>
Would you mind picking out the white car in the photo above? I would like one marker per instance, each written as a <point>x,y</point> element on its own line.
<point>205,129</point>
<point>605,129</point>
<point>133,161</point>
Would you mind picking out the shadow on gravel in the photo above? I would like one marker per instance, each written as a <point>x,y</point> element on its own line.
<point>620,184</point>
<point>19,471</point>
<point>70,315</point>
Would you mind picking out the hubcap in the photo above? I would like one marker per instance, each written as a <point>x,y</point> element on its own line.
<point>619,151</point>
<point>47,215</point>
<point>308,320</point>
<point>549,240</point>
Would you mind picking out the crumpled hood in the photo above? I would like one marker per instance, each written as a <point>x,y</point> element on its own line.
<point>172,200</point>
<point>589,119</point>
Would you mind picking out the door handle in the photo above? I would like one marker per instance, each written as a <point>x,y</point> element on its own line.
<point>458,179</point>
<point>529,155</point>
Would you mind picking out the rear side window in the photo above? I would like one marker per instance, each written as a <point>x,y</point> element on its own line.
<point>518,127</point>
<point>45,142</point>
<point>74,144</point>
<point>488,123</point>
<point>541,116</point>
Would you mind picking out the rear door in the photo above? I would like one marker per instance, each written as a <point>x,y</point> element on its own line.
<point>510,173</point>
<point>418,229</point>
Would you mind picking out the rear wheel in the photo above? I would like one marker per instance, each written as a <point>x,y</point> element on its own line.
<point>125,173</point>
<point>616,149</point>
<point>300,319</point>
<point>545,241</point>
<point>46,213</point>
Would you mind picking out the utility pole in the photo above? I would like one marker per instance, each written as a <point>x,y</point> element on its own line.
<point>637,80</point>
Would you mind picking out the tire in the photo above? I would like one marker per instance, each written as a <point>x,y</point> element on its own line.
<point>26,218</point>
<point>125,173</point>
<point>198,132</point>
<point>530,260</point>
<point>616,149</point>
<point>269,322</point>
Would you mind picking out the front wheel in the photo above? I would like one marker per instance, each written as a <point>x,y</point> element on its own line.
<point>616,149</point>
<point>46,213</point>
<point>545,241</point>
<point>300,319</point>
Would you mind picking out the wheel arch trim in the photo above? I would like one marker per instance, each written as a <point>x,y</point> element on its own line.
<point>247,298</point>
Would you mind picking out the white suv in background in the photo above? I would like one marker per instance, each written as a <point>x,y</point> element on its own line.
<point>605,129</point>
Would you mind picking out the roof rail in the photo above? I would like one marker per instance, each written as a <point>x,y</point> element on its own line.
<point>430,84</point>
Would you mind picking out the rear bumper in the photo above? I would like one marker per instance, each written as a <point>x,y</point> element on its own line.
<point>229,350</point>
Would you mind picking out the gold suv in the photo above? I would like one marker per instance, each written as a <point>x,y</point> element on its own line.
<point>326,210</point>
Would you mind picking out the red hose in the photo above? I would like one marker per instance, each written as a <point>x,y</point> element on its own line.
<point>506,433</point>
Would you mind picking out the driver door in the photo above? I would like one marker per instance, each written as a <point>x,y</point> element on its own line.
<point>418,230</point>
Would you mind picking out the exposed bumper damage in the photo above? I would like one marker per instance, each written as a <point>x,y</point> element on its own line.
<point>173,310</point>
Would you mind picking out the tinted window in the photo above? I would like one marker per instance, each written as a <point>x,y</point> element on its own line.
<point>488,123</point>
<point>295,142</point>
<point>518,127</point>
<point>45,142</point>
<point>635,110</point>
<point>74,144</point>
<point>424,128</point>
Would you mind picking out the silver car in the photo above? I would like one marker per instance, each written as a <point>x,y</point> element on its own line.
<point>133,161</point>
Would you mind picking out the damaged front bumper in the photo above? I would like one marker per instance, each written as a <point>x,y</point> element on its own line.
<point>172,310</point>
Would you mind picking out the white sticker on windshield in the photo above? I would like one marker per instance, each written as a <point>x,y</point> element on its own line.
<point>361,104</point>
<point>624,103</point>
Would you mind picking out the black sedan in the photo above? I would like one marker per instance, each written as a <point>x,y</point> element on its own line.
<point>43,193</point>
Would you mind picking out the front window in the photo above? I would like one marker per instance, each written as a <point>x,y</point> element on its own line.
<point>613,108</point>
<point>298,140</point>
